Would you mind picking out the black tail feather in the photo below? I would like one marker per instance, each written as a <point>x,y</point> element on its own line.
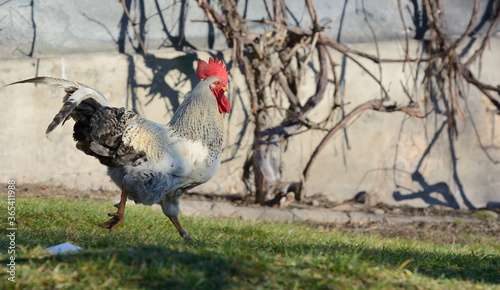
<point>62,116</point>
<point>98,132</point>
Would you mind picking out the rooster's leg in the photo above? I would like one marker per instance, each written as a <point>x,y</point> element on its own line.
<point>179,228</point>
<point>117,217</point>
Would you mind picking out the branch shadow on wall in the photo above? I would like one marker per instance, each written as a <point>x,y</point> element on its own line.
<point>31,51</point>
<point>486,18</point>
<point>430,192</point>
<point>157,86</point>
<point>438,193</point>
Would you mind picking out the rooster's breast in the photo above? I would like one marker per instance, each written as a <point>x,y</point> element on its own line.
<point>190,160</point>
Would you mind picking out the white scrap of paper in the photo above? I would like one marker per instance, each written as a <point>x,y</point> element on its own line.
<point>63,248</point>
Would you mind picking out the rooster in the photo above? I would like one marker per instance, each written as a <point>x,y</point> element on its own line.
<point>152,163</point>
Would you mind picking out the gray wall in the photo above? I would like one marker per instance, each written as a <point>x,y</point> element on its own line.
<point>56,27</point>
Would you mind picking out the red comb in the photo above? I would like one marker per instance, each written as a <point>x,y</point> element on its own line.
<point>212,69</point>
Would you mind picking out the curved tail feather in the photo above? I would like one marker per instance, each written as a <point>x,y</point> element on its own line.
<point>99,128</point>
<point>75,94</point>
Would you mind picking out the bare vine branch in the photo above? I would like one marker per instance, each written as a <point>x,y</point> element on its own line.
<point>297,46</point>
<point>376,105</point>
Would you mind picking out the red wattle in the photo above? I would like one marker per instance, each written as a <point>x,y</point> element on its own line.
<point>224,105</point>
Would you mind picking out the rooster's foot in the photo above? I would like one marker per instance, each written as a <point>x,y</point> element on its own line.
<point>118,216</point>
<point>113,222</point>
<point>180,229</point>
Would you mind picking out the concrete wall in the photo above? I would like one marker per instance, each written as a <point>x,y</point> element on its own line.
<point>56,27</point>
<point>394,158</point>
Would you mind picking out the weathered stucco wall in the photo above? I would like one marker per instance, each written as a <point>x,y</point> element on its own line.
<point>396,159</point>
<point>56,27</point>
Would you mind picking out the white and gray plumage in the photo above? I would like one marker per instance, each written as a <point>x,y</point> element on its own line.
<point>153,163</point>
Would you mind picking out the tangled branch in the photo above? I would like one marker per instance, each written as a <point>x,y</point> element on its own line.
<point>273,65</point>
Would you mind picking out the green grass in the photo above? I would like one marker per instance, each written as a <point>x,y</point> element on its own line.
<point>483,215</point>
<point>146,252</point>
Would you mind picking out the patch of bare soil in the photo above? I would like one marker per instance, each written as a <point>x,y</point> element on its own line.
<point>458,232</point>
<point>485,225</point>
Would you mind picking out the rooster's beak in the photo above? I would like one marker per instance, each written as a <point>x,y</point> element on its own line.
<point>225,89</point>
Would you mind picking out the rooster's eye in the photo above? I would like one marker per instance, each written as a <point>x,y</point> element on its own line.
<point>215,84</point>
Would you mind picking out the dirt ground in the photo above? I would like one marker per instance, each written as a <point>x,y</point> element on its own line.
<point>468,224</point>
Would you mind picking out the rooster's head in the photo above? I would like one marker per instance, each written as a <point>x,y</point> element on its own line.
<point>214,68</point>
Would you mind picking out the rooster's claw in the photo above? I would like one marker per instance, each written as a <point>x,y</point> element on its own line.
<point>118,216</point>
<point>113,222</point>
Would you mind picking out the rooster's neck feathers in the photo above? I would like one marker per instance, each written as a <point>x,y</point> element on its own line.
<point>198,117</point>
